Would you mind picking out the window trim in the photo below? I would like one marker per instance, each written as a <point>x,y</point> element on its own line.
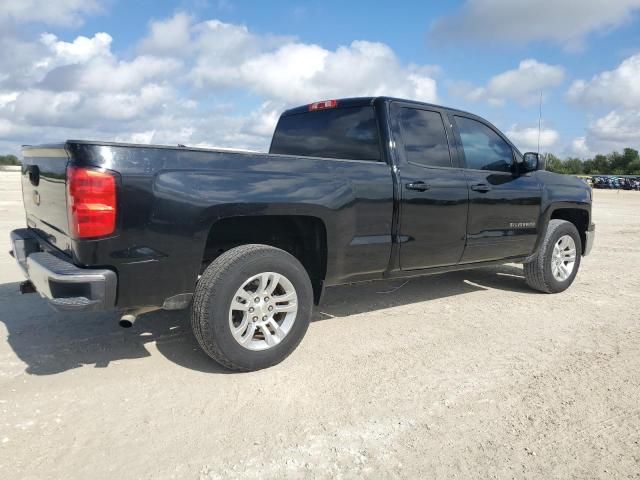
<point>460,147</point>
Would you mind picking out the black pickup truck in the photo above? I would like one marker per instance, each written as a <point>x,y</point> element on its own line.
<point>351,190</point>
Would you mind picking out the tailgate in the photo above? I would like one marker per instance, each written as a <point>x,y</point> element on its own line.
<point>44,191</point>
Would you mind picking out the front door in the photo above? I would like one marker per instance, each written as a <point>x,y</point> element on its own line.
<point>504,205</point>
<point>433,209</point>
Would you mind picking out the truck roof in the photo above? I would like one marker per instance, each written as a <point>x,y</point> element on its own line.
<point>362,101</point>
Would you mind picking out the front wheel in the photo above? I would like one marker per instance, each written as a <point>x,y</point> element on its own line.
<point>558,260</point>
<point>251,307</point>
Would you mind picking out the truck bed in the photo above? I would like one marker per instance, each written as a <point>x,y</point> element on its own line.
<point>169,198</point>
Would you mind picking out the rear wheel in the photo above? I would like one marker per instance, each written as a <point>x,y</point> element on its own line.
<point>252,306</point>
<point>558,260</point>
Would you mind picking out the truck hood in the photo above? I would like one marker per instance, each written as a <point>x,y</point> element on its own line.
<point>550,178</point>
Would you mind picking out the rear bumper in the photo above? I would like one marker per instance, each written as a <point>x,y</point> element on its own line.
<point>66,286</point>
<point>590,236</point>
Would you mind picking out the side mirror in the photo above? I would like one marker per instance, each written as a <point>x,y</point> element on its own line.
<point>532,161</point>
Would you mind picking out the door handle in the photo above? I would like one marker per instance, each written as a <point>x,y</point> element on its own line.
<point>480,187</point>
<point>418,186</point>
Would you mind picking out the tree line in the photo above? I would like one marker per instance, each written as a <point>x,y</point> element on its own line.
<point>614,163</point>
<point>9,160</point>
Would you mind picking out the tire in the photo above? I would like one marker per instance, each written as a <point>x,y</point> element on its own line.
<point>539,273</point>
<point>213,316</point>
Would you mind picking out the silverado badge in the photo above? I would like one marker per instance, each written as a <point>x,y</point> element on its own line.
<point>522,224</point>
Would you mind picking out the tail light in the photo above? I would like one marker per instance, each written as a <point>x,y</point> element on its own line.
<point>91,202</point>
<point>323,105</point>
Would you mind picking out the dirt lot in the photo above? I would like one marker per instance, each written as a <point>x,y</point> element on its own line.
<point>468,374</point>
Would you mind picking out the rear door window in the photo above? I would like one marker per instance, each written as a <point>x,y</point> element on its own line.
<point>347,133</point>
<point>424,138</point>
<point>483,148</point>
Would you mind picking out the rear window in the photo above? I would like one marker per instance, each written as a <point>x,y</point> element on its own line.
<point>350,133</point>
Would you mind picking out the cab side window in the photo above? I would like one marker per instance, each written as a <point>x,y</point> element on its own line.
<point>483,148</point>
<point>424,138</point>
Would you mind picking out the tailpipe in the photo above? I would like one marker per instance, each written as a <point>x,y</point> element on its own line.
<point>127,320</point>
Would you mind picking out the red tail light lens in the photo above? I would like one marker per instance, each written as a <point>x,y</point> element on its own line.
<point>91,202</point>
<point>323,105</point>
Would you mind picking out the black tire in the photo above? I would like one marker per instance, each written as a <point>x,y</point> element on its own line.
<point>216,289</point>
<point>538,273</point>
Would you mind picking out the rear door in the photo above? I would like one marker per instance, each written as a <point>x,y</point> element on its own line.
<point>504,205</point>
<point>434,196</point>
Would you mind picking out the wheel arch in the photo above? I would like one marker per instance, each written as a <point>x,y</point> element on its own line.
<point>577,214</point>
<point>303,236</point>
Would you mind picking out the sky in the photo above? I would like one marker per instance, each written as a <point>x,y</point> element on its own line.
<point>217,73</point>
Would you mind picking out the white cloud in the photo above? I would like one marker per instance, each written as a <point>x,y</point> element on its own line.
<point>81,84</point>
<point>230,56</point>
<point>7,128</point>
<point>616,95</point>
<point>168,37</point>
<point>617,127</point>
<point>26,63</point>
<point>526,138</point>
<point>262,122</point>
<point>300,73</point>
<point>88,64</point>
<point>81,50</point>
<point>175,87</point>
<point>580,148</point>
<point>137,137</point>
<point>43,106</point>
<point>7,97</point>
<point>78,110</point>
<point>58,12</point>
<point>522,84</point>
<point>615,88</point>
<point>126,106</point>
<point>565,22</point>
<point>21,62</point>
<point>125,76</point>
<point>616,130</point>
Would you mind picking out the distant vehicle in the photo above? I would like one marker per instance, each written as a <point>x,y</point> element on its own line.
<point>625,183</point>
<point>351,190</point>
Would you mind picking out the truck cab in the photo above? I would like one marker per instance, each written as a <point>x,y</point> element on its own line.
<point>464,193</point>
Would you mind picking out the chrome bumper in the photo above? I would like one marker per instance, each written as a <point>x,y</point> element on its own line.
<point>66,286</point>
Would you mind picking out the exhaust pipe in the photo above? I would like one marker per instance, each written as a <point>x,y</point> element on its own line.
<point>127,320</point>
<point>129,317</point>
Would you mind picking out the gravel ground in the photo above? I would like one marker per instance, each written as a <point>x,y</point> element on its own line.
<point>468,374</point>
